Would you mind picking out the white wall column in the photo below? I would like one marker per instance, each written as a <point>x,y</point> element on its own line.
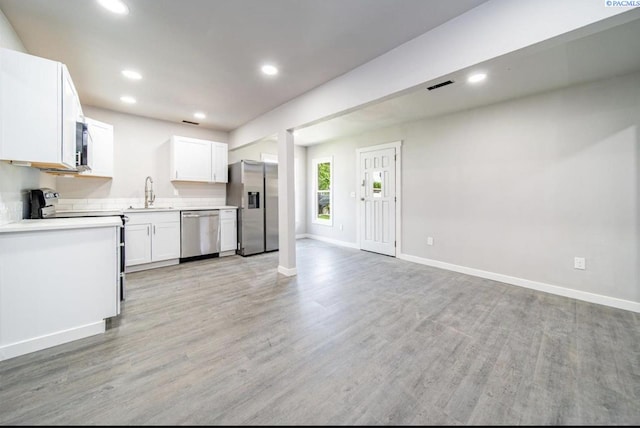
<point>286,204</point>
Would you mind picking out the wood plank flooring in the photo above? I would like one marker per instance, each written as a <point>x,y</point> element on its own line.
<point>355,338</point>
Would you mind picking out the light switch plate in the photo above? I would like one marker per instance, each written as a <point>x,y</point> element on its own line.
<point>579,263</point>
<point>429,240</point>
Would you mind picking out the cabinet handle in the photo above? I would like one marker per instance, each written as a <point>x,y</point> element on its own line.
<point>147,230</point>
<point>154,229</point>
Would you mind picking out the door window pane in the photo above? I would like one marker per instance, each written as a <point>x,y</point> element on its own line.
<point>377,184</point>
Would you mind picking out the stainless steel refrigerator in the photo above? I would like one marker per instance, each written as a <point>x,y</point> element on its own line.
<point>253,188</point>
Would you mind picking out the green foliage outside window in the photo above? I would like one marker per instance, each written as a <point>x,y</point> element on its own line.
<point>324,176</point>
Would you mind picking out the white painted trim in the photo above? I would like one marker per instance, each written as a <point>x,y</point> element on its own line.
<point>534,285</point>
<point>53,339</point>
<point>333,241</point>
<point>287,272</point>
<point>392,145</point>
<point>397,145</point>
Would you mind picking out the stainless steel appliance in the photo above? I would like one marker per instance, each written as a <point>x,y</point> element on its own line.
<point>82,146</point>
<point>253,188</point>
<point>199,233</point>
<point>83,139</point>
<point>43,205</point>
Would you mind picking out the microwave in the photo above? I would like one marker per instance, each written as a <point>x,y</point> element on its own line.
<point>82,146</point>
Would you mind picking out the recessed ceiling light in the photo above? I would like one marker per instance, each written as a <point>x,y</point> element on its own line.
<point>115,6</point>
<point>133,75</point>
<point>127,99</point>
<point>199,115</point>
<point>269,70</point>
<point>475,78</point>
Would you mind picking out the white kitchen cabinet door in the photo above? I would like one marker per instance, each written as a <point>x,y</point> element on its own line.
<point>219,160</point>
<point>30,109</point>
<point>100,149</point>
<point>137,244</point>
<point>71,114</point>
<point>228,231</point>
<point>165,241</point>
<point>228,235</point>
<point>190,159</point>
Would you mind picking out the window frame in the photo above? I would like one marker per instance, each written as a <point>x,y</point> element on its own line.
<point>315,219</point>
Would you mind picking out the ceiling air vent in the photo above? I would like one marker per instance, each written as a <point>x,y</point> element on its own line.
<point>190,123</point>
<point>440,85</point>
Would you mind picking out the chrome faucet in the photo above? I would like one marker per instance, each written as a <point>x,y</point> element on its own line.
<point>149,197</point>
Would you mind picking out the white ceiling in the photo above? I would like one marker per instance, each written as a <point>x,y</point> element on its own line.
<point>607,53</point>
<point>204,55</point>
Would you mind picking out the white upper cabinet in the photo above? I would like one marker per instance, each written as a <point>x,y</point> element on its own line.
<point>39,107</point>
<point>71,114</point>
<point>219,162</point>
<point>198,160</point>
<point>100,150</point>
<point>190,159</point>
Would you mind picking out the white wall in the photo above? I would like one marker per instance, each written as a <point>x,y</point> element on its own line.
<point>15,181</point>
<point>141,148</point>
<point>518,188</point>
<point>254,152</point>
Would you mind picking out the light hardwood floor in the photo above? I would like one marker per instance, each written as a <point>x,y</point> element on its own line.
<point>355,338</point>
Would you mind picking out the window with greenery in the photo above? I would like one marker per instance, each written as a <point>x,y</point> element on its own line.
<point>322,183</point>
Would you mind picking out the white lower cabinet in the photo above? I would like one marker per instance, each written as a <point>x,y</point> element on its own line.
<point>165,242</point>
<point>152,237</point>
<point>56,286</point>
<point>138,244</point>
<point>228,232</point>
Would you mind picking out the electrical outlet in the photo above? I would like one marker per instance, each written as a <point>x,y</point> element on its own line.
<point>579,263</point>
<point>352,194</point>
<point>341,228</point>
<point>429,240</point>
<point>175,192</point>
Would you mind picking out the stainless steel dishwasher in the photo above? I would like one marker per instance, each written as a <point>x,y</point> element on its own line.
<point>199,233</point>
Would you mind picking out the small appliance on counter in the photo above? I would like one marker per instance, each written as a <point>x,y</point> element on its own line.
<point>43,203</point>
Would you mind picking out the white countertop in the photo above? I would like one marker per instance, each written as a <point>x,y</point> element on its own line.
<point>60,224</point>
<point>153,209</point>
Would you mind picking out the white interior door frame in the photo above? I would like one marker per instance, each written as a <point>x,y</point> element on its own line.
<point>397,145</point>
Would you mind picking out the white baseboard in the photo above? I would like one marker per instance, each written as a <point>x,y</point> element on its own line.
<point>301,236</point>
<point>287,271</point>
<point>534,285</point>
<point>332,241</point>
<point>53,339</point>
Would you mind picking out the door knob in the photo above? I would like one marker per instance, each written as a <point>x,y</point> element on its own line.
<point>362,199</point>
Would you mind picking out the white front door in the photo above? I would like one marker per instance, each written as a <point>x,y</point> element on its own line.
<point>378,201</point>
